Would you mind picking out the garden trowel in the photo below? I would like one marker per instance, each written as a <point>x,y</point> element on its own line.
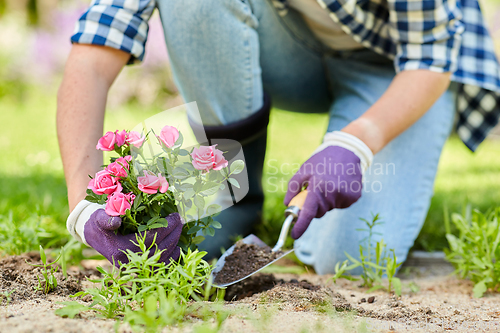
<point>291,214</point>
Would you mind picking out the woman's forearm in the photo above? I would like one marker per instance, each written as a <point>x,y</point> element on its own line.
<point>89,72</point>
<point>408,98</point>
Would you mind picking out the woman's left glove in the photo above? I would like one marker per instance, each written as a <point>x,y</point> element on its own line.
<point>90,224</point>
<point>333,176</point>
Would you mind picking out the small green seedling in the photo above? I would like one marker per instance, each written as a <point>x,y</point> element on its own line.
<point>390,269</point>
<point>5,296</point>
<point>414,287</point>
<point>48,282</point>
<point>373,260</point>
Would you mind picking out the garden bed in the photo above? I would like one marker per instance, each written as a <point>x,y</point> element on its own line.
<point>432,301</point>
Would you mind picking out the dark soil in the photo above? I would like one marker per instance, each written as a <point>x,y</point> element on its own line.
<point>248,287</point>
<point>19,279</point>
<point>245,259</point>
<point>262,282</point>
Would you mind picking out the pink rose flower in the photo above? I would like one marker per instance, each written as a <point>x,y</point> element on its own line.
<point>118,203</point>
<point>104,183</point>
<point>108,141</point>
<point>168,136</point>
<point>151,184</point>
<point>207,158</point>
<point>135,139</point>
<point>119,167</point>
<point>120,137</point>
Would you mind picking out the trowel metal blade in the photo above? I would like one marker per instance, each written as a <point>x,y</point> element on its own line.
<point>250,239</point>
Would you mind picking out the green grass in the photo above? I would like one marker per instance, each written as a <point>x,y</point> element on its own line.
<point>33,189</point>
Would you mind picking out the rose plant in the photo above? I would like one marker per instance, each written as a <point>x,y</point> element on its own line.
<point>143,190</point>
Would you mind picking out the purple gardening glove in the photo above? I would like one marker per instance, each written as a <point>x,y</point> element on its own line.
<point>99,233</point>
<point>333,177</point>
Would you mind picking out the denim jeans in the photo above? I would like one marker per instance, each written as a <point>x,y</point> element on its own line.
<point>225,53</point>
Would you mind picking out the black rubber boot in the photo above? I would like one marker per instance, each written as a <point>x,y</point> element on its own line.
<point>241,218</point>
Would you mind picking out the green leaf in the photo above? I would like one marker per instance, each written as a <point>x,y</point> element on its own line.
<point>188,194</point>
<point>71,309</point>
<point>194,230</point>
<point>184,187</point>
<point>181,173</point>
<point>101,270</point>
<point>234,182</point>
<point>90,192</point>
<point>213,209</point>
<point>237,167</point>
<point>153,220</point>
<point>216,224</point>
<point>198,239</point>
<point>91,199</point>
<point>137,201</point>
<point>183,152</point>
<point>210,231</point>
<point>142,228</point>
<point>223,171</point>
<point>479,289</point>
<point>375,287</point>
<point>199,202</point>
<point>369,263</point>
<point>396,282</point>
<point>212,175</point>
<point>209,189</point>
<point>43,257</point>
<point>197,186</point>
<point>62,255</point>
<point>180,140</point>
<point>188,166</point>
<point>452,241</point>
<point>478,262</point>
<point>156,226</point>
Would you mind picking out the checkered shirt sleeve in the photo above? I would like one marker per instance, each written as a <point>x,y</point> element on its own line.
<point>120,24</point>
<point>427,34</point>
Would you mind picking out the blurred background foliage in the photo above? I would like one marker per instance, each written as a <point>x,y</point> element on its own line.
<point>34,43</point>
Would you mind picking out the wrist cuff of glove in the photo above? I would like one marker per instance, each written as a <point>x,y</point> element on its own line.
<point>79,217</point>
<point>350,142</point>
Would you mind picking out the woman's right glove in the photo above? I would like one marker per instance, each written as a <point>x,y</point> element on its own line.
<point>90,224</point>
<point>333,176</point>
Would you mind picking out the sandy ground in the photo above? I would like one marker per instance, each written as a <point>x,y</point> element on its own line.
<point>441,303</point>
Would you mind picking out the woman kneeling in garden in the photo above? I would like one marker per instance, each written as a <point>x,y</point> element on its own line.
<point>381,69</point>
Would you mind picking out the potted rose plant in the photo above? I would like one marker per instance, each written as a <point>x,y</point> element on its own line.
<point>143,190</point>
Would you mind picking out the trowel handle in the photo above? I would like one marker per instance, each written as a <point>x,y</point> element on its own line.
<point>299,200</point>
<point>291,213</point>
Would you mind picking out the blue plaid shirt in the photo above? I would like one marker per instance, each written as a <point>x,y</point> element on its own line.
<point>439,35</point>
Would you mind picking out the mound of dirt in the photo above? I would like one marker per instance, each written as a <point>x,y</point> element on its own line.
<point>245,259</point>
<point>295,295</point>
<point>19,278</point>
